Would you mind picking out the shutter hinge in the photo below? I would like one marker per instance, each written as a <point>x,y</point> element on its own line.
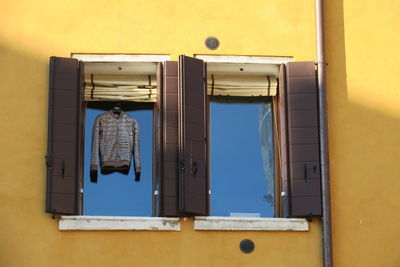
<point>182,165</point>
<point>156,193</point>
<point>49,162</point>
<point>81,190</point>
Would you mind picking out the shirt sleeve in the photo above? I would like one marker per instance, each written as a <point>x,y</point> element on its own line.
<point>136,150</point>
<point>94,159</point>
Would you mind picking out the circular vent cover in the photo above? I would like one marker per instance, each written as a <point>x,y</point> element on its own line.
<point>212,43</point>
<point>247,246</point>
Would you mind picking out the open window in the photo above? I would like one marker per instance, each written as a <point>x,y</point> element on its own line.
<point>277,158</point>
<point>191,169</point>
<point>131,87</point>
<point>241,139</point>
<point>80,91</point>
<point>287,133</point>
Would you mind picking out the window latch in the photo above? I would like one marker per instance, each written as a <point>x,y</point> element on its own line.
<point>63,168</point>
<point>195,167</point>
<point>305,173</point>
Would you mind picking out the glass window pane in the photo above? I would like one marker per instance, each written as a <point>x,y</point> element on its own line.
<point>241,163</point>
<point>117,194</point>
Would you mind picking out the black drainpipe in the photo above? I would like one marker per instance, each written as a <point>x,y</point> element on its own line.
<point>323,128</point>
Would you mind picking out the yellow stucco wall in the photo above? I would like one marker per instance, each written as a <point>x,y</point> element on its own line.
<point>363,124</point>
<point>364,128</point>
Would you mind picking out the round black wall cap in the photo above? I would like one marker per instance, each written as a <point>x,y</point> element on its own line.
<point>211,43</point>
<point>247,246</point>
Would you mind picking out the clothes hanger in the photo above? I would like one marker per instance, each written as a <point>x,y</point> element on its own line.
<point>117,108</point>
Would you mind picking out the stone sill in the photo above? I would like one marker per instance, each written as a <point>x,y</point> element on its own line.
<point>249,224</point>
<point>106,223</point>
<point>120,223</point>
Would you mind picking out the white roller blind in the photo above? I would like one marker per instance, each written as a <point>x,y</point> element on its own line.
<point>101,87</point>
<point>229,85</point>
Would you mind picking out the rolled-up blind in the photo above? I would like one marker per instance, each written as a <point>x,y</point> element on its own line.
<point>137,88</point>
<point>229,85</point>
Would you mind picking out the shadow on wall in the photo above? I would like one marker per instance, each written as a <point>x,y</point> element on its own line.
<point>24,77</point>
<point>364,153</point>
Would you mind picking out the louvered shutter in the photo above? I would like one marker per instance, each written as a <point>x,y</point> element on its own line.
<point>192,136</point>
<point>64,139</point>
<point>304,159</point>
<point>169,142</point>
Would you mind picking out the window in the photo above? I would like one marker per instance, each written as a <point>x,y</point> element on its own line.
<point>241,139</point>
<point>241,158</point>
<point>181,167</point>
<point>117,194</point>
<point>79,92</point>
<point>106,84</point>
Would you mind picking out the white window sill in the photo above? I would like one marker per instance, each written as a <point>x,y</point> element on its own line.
<point>249,224</point>
<point>118,223</point>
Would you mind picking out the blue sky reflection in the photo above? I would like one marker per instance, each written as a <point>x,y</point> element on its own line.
<point>239,181</point>
<point>117,194</point>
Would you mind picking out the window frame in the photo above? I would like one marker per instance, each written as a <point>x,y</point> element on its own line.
<point>238,59</point>
<point>128,58</point>
<point>244,100</point>
<point>150,106</point>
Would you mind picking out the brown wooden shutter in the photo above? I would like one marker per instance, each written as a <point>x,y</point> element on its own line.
<point>169,136</point>
<point>304,159</point>
<point>64,140</point>
<point>281,158</point>
<point>192,136</point>
<point>157,156</point>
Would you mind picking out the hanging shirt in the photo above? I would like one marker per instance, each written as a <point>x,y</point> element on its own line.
<point>115,138</point>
